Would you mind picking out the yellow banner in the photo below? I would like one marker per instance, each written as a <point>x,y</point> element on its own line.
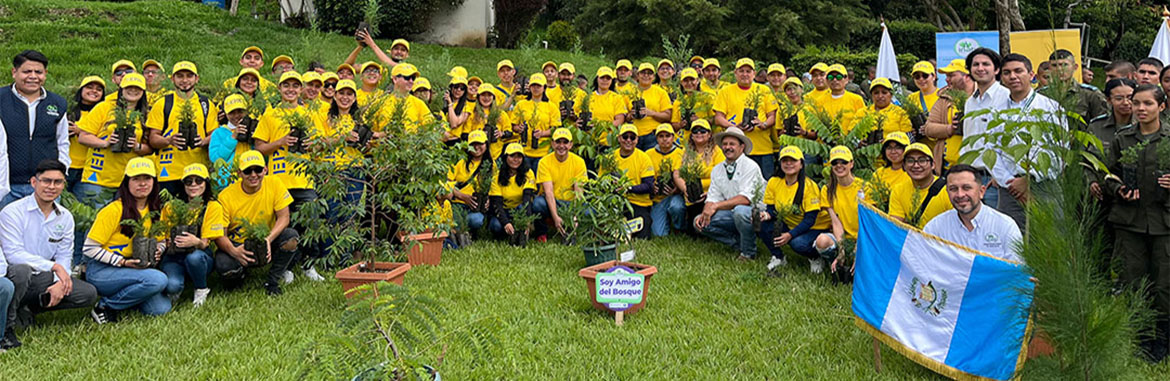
<point>1038,44</point>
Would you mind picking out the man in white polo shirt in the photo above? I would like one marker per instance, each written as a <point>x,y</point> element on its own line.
<point>970,223</point>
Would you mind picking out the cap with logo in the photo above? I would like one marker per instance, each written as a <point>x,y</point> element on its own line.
<point>403,69</point>
<point>134,80</point>
<point>923,67</point>
<point>196,170</point>
<point>562,133</point>
<point>477,136</point>
<point>421,83</point>
<point>824,68</point>
<point>919,147</point>
<point>957,64</point>
<point>505,64</point>
<point>289,76</point>
<point>882,82</point>
<point>840,153</point>
<point>745,62</point>
<point>792,152</point>
<point>120,63</point>
<point>184,65</point>
<point>251,158</point>
<point>140,166</point>
<point>234,102</point>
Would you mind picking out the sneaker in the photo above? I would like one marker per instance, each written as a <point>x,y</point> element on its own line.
<point>234,274</point>
<point>103,315</point>
<point>287,277</point>
<point>312,274</point>
<point>273,289</point>
<point>542,238</point>
<point>816,265</point>
<point>9,341</point>
<point>200,296</point>
<point>744,258</point>
<point>777,262</point>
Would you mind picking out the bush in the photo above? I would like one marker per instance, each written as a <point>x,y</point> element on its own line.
<point>856,60</point>
<point>912,37</point>
<point>398,17</point>
<point>561,35</point>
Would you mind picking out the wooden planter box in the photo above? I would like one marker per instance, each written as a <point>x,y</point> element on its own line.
<point>427,251</point>
<point>351,277</point>
<point>590,276</point>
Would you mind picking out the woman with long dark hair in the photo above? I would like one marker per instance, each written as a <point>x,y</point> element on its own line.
<point>794,201</point>
<point>104,167</point>
<point>535,119</point>
<point>463,175</point>
<point>457,111</point>
<point>124,282</point>
<point>893,152</point>
<point>209,223</point>
<point>88,95</point>
<point>839,198</point>
<point>512,191</point>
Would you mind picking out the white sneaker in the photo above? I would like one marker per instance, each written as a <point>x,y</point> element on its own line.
<point>816,265</point>
<point>312,274</point>
<point>287,277</point>
<point>201,296</point>
<point>777,262</point>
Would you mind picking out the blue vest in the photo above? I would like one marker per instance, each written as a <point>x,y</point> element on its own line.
<point>24,151</point>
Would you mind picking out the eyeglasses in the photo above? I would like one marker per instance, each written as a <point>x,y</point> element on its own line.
<point>408,78</point>
<point>700,130</point>
<point>919,161</point>
<point>330,85</point>
<point>834,77</point>
<point>629,137</point>
<point>839,162</point>
<point>51,182</point>
<point>123,71</point>
<point>196,180</point>
<point>252,170</point>
<point>921,76</point>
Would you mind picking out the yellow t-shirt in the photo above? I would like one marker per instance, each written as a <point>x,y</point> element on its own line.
<point>365,97</point>
<point>779,194</point>
<point>540,116</point>
<point>848,106</point>
<point>476,122</point>
<point>902,203</point>
<point>259,207</point>
<point>212,224</point>
<point>923,101</point>
<point>107,229</point>
<point>78,152</point>
<point>502,93</point>
<point>512,193</point>
<point>844,203</point>
<point>415,113</point>
<point>657,158</point>
<point>895,119</point>
<point>562,174</point>
<point>172,160</point>
<point>716,158</point>
<point>817,96</point>
<point>731,101</point>
<point>555,95</point>
<point>703,100</point>
<point>336,128</point>
<point>272,127</point>
<point>892,177</point>
<point>103,167</point>
<point>704,86</point>
<point>605,108</point>
<point>463,172</point>
<point>657,100</point>
<point>635,167</point>
<point>629,87</point>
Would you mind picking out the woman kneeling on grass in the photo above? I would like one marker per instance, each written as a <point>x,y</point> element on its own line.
<point>839,198</point>
<point>462,179</point>
<point>196,263</point>
<point>512,191</point>
<point>122,282</point>
<point>797,199</point>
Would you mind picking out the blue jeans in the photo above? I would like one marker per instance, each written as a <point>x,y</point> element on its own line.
<point>648,141</point>
<point>734,228</point>
<point>767,164</point>
<point>475,219</point>
<point>5,298</point>
<point>672,207</point>
<point>197,264</point>
<point>352,197</point>
<point>124,288</point>
<point>802,244</point>
<point>17,192</point>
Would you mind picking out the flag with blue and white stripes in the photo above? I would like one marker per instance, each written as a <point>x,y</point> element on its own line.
<point>954,310</point>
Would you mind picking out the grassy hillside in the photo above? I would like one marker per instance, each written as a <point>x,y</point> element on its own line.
<point>85,38</point>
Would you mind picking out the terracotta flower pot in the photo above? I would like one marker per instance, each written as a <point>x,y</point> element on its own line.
<point>351,277</point>
<point>425,248</point>
<point>590,276</point>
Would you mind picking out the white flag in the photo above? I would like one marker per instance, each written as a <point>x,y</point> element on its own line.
<point>887,65</point>
<point>1161,48</point>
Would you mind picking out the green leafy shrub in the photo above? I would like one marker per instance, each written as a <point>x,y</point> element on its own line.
<point>561,35</point>
<point>397,18</point>
<point>852,59</point>
<point>513,19</point>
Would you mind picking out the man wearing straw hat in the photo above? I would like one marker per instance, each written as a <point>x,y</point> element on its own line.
<point>727,215</point>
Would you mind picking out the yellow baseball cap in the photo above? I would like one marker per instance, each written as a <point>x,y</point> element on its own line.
<point>562,133</point>
<point>840,153</point>
<point>605,71</point>
<point>140,166</point>
<point>458,71</point>
<point>458,81</point>
<point>628,128</point>
<point>477,136</point>
<point>792,152</point>
<point>567,66</point>
<point>196,170</point>
<point>421,83</point>
<point>701,123</point>
<point>645,66</point>
<point>252,49</point>
<point>346,84</point>
<point>664,127</point>
<point>91,79</point>
<point>537,79</point>
<point>792,81</point>
<point>368,64</point>
<point>346,66</point>
<point>121,63</point>
<point>328,76</point>
<point>513,148</point>
<point>920,148</point>
<point>251,158</point>
<point>184,65</point>
<point>547,64</point>
<point>403,69</point>
<point>695,58</point>
<point>311,76</point>
<point>745,62</point>
<point>150,62</point>
<point>688,73</point>
<point>505,64</point>
<point>134,80</point>
<point>234,102</point>
<point>837,68</point>
<point>776,68</point>
<point>711,62</point>
<point>290,75</point>
<point>923,67</point>
<point>474,79</point>
<point>897,136</point>
<point>819,66</point>
<point>282,58</point>
<point>881,81</point>
<point>666,62</point>
<point>624,63</point>
<point>247,70</point>
<point>957,64</point>
<point>400,41</point>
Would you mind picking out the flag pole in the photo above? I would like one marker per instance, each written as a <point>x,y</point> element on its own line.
<point>877,355</point>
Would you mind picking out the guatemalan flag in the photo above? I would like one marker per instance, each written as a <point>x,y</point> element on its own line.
<point>956,311</point>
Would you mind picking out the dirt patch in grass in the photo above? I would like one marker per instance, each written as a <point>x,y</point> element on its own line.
<point>4,12</point>
<point>68,12</point>
<point>78,34</point>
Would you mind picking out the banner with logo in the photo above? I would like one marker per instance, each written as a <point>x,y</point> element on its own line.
<point>949,46</point>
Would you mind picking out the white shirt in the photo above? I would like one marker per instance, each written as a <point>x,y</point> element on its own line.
<point>995,233</point>
<point>1006,168</point>
<point>744,181</point>
<point>993,98</point>
<point>62,137</point>
<point>28,237</point>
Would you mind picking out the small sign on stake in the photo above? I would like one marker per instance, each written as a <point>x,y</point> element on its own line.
<point>619,288</point>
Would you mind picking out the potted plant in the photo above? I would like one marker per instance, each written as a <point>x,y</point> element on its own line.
<point>598,216</point>
<point>664,178</point>
<point>1163,153</point>
<point>914,111</point>
<point>637,103</point>
<point>1129,164</point>
<point>782,213</point>
<point>569,92</point>
<point>958,99</point>
<point>484,174</point>
<point>257,107</point>
<point>125,119</point>
<point>586,116</point>
<point>188,130</point>
<point>144,243</point>
<point>757,201</point>
<point>846,256</point>
<point>255,237</point>
<point>691,104</point>
<point>754,100</point>
<point>521,225</point>
<point>181,217</point>
<point>298,127</point>
<point>691,173</point>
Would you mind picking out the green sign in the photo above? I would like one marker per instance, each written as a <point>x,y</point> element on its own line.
<point>620,287</point>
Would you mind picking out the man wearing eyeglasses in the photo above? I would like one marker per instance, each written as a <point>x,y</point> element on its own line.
<point>36,235</point>
<point>839,103</point>
<point>117,71</point>
<point>153,72</point>
<point>34,125</point>
<point>417,113</point>
<point>258,200</point>
<point>925,196</point>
